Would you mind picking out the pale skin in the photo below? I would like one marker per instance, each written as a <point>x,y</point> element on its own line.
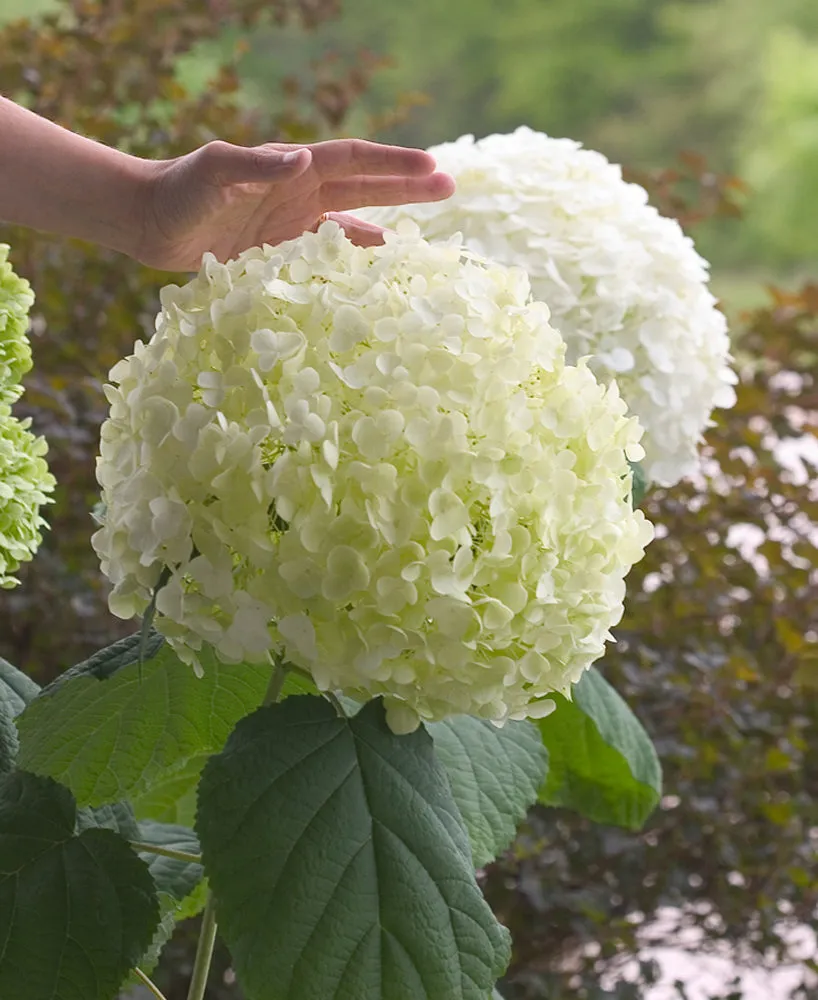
<point>220,198</point>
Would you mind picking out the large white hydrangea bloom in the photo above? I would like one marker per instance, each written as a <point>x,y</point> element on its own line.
<point>624,285</point>
<point>376,462</point>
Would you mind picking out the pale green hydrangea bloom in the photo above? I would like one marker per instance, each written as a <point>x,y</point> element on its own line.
<point>625,286</point>
<point>16,298</point>
<point>376,462</point>
<point>25,483</point>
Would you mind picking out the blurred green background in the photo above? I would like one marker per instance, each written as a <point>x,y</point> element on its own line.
<point>718,653</point>
<point>735,80</point>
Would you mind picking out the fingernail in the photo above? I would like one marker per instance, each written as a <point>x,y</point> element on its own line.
<point>289,157</point>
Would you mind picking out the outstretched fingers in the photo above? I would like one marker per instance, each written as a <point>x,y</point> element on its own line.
<point>360,192</point>
<point>344,158</point>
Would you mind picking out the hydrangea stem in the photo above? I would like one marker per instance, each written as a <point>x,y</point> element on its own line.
<point>166,852</point>
<point>336,704</point>
<point>207,936</point>
<point>149,983</point>
<point>276,684</point>
<point>204,952</point>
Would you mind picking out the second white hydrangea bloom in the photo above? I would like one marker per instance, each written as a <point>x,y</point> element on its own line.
<point>624,285</point>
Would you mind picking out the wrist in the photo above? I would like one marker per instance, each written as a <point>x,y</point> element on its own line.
<point>133,181</point>
<point>59,182</point>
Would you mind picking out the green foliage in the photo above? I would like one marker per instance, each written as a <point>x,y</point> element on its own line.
<point>9,742</point>
<point>602,763</point>
<point>163,933</point>
<point>495,775</point>
<point>181,888</point>
<point>106,662</point>
<point>172,799</point>
<point>13,9</point>
<point>112,738</point>
<point>76,911</point>
<point>116,816</point>
<point>175,877</point>
<point>486,72</point>
<point>717,656</point>
<point>16,689</point>
<point>717,651</point>
<point>322,829</point>
<point>638,79</point>
<point>780,158</point>
<point>178,883</point>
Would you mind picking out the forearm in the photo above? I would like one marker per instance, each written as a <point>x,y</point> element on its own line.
<point>62,183</point>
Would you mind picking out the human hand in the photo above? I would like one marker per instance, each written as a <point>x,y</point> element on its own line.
<point>223,198</point>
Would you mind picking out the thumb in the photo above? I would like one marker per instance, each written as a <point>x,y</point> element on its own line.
<point>254,164</point>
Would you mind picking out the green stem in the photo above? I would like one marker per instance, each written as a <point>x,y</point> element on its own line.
<point>207,935</point>
<point>336,704</point>
<point>276,684</point>
<point>166,852</point>
<point>204,953</point>
<point>149,615</point>
<point>291,668</point>
<point>140,975</point>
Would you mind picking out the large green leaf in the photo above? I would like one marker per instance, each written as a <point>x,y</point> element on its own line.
<point>180,885</point>
<point>339,862</point>
<point>175,877</point>
<point>9,743</point>
<point>495,775</point>
<point>163,933</point>
<point>178,878</point>
<point>106,662</point>
<point>297,683</point>
<point>76,912</point>
<point>117,737</point>
<point>172,799</point>
<point>16,689</point>
<point>117,816</point>
<point>602,763</point>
